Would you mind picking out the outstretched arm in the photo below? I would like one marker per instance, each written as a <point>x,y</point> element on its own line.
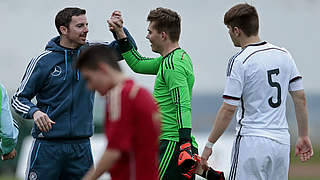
<point>115,44</point>
<point>109,157</point>
<point>223,119</point>
<point>133,58</point>
<point>303,146</point>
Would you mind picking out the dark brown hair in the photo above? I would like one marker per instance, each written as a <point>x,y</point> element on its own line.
<point>167,21</point>
<point>243,16</point>
<point>91,56</point>
<point>64,17</point>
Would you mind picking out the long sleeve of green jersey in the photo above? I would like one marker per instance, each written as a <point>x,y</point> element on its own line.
<point>8,127</point>
<point>175,76</point>
<point>136,62</point>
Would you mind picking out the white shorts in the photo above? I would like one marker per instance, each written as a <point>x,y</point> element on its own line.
<point>259,158</point>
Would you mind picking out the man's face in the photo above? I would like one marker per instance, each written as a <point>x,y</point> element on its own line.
<point>77,30</point>
<point>97,80</point>
<point>154,37</point>
<point>233,37</point>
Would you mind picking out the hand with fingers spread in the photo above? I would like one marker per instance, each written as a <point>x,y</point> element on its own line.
<point>42,120</point>
<point>304,148</point>
<point>10,155</point>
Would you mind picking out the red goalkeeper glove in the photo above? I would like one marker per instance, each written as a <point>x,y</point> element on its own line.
<point>186,162</point>
<point>209,174</point>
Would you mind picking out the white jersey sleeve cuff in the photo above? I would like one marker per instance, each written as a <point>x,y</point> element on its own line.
<point>232,102</point>
<point>296,85</point>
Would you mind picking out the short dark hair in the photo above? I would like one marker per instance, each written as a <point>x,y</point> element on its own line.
<point>64,17</point>
<point>92,55</point>
<point>243,16</point>
<point>166,20</point>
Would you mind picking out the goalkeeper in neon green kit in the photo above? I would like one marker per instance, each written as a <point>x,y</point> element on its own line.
<point>172,89</point>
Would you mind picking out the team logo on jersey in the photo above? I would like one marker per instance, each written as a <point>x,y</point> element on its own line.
<point>57,71</point>
<point>33,176</point>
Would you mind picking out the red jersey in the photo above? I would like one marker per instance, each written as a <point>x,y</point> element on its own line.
<point>133,126</point>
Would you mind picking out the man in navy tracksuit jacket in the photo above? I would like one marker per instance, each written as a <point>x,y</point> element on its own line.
<point>63,118</point>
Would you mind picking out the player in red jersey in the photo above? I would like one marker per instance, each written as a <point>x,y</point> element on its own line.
<point>132,119</point>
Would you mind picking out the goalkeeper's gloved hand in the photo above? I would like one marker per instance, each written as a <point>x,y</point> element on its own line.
<point>212,174</point>
<point>186,162</point>
<point>209,174</point>
<point>190,172</point>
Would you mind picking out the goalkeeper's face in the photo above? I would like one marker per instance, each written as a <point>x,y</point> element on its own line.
<point>154,37</point>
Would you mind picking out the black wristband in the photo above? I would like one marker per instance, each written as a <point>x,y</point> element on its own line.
<point>185,135</point>
<point>124,45</point>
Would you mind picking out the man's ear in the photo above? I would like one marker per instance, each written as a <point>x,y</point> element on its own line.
<point>164,35</point>
<point>237,31</point>
<point>63,30</point>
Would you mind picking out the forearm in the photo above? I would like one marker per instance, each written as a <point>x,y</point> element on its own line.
<point>136,62</point>
<point>8,127</point>
<point>106,162</point>
<point>184,123</point>
<point>223,119</point>
<point>23,106</point>
<point>9,135</point>
<point>183,115</point>
<point>120,34</point>
<point>301,112</point>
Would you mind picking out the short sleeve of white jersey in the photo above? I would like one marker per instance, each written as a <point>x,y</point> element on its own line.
<point>295,83</point>
<point>234,84</point>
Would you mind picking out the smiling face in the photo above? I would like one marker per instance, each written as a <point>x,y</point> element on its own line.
<point>154,37</point>
<point>76,34</point>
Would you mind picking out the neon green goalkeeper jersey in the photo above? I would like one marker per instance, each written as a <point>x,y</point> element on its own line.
<point>172,88</point>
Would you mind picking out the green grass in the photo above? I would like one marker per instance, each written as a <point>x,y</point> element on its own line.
<point>7,178</point>
<point>303,178</point>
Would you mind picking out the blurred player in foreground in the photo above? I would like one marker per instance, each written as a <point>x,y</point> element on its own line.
<point>9,128</point>
<point>132,123</point>
<point>258,80</point>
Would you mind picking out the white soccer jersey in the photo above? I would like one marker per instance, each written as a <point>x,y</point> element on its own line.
<point>258,80</point>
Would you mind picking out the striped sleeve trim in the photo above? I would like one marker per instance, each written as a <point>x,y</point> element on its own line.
<point>15,123</point>
<point>171,61</point>
<point>230,97</point>
<point>168,62</point>
<point>294,79</point>
<point>16,104</point>
<point>231,62</point>
<point>183,55</point>
<point>138,56</point>
<point>176,94</point>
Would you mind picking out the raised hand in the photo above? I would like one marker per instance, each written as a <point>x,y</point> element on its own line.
<point>115,22</point>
